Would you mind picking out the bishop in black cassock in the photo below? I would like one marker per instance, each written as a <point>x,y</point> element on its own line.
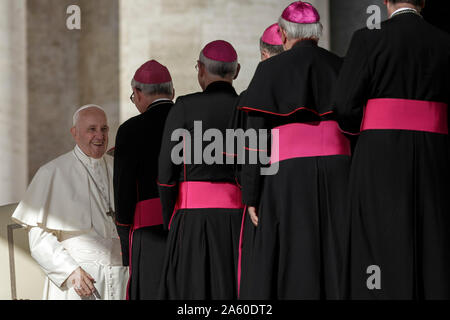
<point>201,201</point>
<point>299,211</point>
<point>394,87</point>
<point>138,208</point>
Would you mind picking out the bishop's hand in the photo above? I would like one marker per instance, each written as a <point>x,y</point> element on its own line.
<point>82,282</point>
<point>253,215</point>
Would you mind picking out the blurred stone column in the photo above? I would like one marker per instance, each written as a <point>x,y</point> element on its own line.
<point>346,17</point>
<point>13,101</point>
<point>53,81</point>
<point>67,69</point>
<point>99,58</point>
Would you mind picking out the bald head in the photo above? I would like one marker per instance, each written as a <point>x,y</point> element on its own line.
<point>87,106</point>
<point>90,130</point>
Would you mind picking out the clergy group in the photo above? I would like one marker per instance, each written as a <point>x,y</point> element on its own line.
<point>357,209</point>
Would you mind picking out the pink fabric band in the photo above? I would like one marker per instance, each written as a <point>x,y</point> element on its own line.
<point>148,213</point>
<point>312,139</point>
<point>201,194</point>
<point>401,114</point>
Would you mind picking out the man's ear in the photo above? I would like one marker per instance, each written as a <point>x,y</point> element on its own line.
<point>283,36</point>
<point>201,69</point>
<point>173,94</point>
<point>265,54</point>
<point>73,131</point>
<point>137,95</point>
<point>237,71</point>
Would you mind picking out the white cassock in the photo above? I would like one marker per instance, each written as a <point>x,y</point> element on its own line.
<point>66,213</point>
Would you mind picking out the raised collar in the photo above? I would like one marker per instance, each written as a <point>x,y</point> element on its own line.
<point>86,159</point>
<point>220,86</point>
<point>158,102</point>
<point>305,43</point>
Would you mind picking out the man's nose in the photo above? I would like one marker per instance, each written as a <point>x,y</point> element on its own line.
<point>100,134</point>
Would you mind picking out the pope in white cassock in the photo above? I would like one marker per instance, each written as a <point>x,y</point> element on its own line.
<point>68,210</point>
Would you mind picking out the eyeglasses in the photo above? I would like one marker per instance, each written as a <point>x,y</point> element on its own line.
<point>196,66</point>
<point>132,95</point>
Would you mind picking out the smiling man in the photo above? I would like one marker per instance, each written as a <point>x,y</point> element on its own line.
<point>68,210</point>
<point>91,135</point>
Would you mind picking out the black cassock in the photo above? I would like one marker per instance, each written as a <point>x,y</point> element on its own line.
<point>296,251</point>
<point>202,249</point>
<point>136,152</point>
<point>399,179</point>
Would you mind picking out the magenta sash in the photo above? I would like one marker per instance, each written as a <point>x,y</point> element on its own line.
<point>201,194</point>
<point>401,114</point>
<point>205,194</point>
<point>148,213</point>
<point>312,139</point>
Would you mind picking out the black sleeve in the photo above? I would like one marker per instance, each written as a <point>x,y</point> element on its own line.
<point>352,87</point>
<point>251,177</point>
<point>168,171</point>
<point>235,147</point>
<point>124,233</point>
<point>125,188</point>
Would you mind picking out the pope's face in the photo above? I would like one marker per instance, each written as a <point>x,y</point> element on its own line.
<point>91,132</point>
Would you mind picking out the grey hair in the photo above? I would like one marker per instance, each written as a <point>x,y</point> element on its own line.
<point>219,68</point>
<point>76,115</point>
<point>150,89</point>
<point>416,3</point>
<point>301,30</point>
<point>273,50</point>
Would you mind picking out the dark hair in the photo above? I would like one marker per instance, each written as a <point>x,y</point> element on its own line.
<point>413,2</point>
<point>270,48</point>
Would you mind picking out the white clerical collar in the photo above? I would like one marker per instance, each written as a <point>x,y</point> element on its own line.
<point>401,10</point>
<point>85,158</point>
<point>161,99</point>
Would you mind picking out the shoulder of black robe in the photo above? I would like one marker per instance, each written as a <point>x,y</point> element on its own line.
<point>214,89</point>
<point>135,165</point>
<point>407,58</point>
<point>298,79</point>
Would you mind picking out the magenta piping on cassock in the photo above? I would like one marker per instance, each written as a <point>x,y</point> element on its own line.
<point>311,139</point>
<point>404,114</point>
<point>241,235</point>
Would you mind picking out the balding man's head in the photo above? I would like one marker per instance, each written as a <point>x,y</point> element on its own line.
<point>90,130</point>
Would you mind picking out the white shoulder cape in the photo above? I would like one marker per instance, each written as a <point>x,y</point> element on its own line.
<point>58,197</point>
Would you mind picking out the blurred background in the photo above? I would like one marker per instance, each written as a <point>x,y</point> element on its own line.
<point>47,71</point>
